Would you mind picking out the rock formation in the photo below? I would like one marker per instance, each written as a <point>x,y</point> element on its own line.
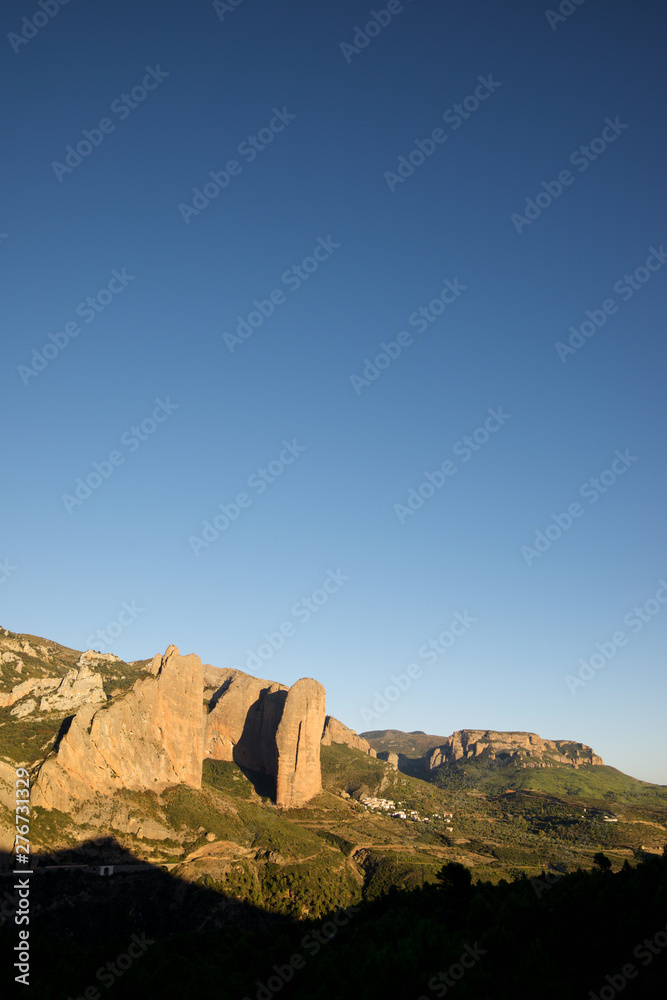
<point>269,729</point>
<point>90,656</point>
<point>243,719</point>
<point>34,685</point>
<point>148,739</point>
<point>336,732</point>
<point>24,708</point>
<point>298,743</point>
<point>158,733</point>
<point>180,713</point>
<point>78,687</point>
<point>527,748</point>
<point>391,758</point>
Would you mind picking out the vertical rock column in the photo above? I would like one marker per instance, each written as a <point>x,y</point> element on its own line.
<point>298,743</point>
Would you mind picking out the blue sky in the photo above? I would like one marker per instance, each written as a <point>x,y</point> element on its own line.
<point>557,119</point>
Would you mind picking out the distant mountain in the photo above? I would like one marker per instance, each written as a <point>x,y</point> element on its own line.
<point>415,744</point>
<point>494,762</point>
<point>524,749</point>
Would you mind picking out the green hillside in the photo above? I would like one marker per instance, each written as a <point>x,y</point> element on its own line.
<point>588,782</point>
<point>409,744</point>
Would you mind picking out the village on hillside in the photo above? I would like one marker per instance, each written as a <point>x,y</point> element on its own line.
<point>397,810</point>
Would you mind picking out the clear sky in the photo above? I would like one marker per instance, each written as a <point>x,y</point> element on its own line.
<point>214,216</point>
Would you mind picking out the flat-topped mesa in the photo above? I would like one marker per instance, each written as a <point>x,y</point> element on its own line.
<point>336,732</point>
<point>269,729</point>
<point>148,739</point>
<point>529,748</point>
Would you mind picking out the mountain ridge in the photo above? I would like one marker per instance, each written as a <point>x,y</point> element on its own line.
<point>140,747</point>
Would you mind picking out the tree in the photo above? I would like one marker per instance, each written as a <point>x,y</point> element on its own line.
<point>455,878</point>
<point>602,861</point>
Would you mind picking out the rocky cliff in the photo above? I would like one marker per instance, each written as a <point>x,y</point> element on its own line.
<point>149,738</point>
<point>243,719</point>
<point>78,687</point>
<point>528,749</point>
<point>391,758</point>
<point>159,732</point>
<point>336,732</point>
<point>269,729</point>
<point>298,738</point>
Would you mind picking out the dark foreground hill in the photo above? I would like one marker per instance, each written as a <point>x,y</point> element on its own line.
<point>584,934</point>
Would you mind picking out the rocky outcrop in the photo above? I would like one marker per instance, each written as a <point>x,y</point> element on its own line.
<point>150,738</point>
<point>528,749</point>
<point>9,657</point>
<point>390,758</point>
<point>269,729</point>
<point>244,716</point>
<point>20,645</point>
<point>298,744</point>
<point>90,656</point>
<point>336,732</point>
<point>157,734</point>
<point>33,686</point>
<point>24,708</point>
<point>78,687</point>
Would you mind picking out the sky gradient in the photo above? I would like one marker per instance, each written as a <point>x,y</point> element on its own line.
<point>325,325</point>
